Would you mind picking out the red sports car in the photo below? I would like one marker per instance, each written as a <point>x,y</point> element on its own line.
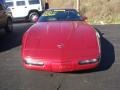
<point>61,41</point>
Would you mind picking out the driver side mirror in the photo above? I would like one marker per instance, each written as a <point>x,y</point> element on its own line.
<point>35,19</point>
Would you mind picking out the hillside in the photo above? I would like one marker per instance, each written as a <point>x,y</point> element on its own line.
<point>97,11</point>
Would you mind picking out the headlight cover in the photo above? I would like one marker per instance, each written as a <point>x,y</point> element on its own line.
<point>31,61</point>
<point>88,61</point>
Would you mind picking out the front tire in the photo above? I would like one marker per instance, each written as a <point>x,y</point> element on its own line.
<point>9,26</point>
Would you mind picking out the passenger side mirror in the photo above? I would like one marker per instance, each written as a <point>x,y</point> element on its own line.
<point>84,18</point>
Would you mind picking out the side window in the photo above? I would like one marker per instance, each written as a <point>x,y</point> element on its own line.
<point>1,7</point>
<point>33,2</point>
<point>20,3</point>
<point>9,4</point>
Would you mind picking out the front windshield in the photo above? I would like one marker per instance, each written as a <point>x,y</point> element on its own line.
<point>60,15</point>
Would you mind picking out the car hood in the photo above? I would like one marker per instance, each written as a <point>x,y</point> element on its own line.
<point>61,41</point>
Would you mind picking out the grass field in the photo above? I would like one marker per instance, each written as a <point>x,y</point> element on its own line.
<point>97,11</point>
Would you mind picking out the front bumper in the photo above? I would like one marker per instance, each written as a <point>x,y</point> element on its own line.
<point>61,67</point>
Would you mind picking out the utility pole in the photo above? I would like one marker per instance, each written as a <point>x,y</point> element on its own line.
<point>78,5</point>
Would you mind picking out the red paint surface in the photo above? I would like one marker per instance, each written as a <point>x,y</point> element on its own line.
<point>78,40</point>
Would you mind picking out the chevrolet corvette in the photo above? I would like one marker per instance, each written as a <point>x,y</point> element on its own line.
<point>61,41</point>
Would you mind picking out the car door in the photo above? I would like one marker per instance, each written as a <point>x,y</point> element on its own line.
<point>20,9</point>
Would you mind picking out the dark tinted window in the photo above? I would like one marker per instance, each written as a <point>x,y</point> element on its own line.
<point>60,15</point>
<point>9,4</point>
<point>20,3</point>
<point>34,2</point>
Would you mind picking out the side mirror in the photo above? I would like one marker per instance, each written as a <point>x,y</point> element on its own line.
<point>84,18</point>
<point>34,18</point>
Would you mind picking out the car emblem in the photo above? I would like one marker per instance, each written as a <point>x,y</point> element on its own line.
<point>60,45</point>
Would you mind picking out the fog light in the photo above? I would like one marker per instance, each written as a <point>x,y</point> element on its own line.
<point>33,62</point>
<point>88,61</point>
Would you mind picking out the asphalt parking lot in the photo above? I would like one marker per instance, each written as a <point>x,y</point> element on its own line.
<point>14,77</point>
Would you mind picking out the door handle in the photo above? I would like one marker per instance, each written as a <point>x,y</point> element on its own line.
<point>12,8</point>
<point>25,7</point>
